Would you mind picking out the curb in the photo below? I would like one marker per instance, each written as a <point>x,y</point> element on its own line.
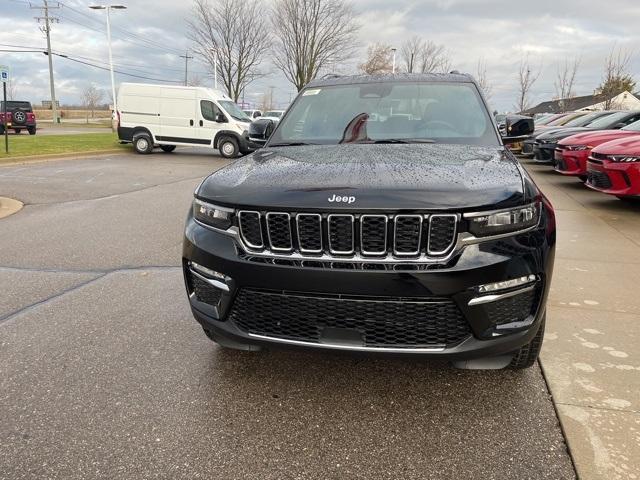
<point>59,156</point>
<point>9,206</point>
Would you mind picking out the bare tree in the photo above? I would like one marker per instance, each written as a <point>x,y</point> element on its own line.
<point>311,35</point>
<point>424,56</point>
<point>195,80</point>
<point>483,80</point>
<point>91,98</point>
<point>232,35</point>
<point>379,59</point>
<point>616,78</point>
<point>12,89</point>
<point>565,81</point>
<point>526,78</point>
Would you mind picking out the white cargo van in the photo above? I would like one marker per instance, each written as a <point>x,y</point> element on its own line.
<point>167,116</point>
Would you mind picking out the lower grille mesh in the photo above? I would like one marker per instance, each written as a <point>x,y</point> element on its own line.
<point>598,179</point>
<point>203,291</point>
<point>512,309</point>
<point>397,323</point>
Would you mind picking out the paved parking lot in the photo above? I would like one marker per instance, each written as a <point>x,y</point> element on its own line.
<point>104,373</point>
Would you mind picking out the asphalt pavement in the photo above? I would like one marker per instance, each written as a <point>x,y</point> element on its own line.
<point>104,373</point>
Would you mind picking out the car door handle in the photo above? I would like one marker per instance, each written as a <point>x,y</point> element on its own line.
<point>191,122</point>
<point>201,123</point>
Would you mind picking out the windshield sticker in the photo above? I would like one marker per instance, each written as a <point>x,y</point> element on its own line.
<point>313,91</point>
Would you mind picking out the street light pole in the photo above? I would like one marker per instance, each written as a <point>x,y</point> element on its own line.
<point>108,8</point>
<point>393,69</point>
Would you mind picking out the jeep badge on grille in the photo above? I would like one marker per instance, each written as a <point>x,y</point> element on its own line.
<point>339,199</point>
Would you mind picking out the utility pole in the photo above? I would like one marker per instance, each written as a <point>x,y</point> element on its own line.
<point>186,67</point>
<point>46,29</point>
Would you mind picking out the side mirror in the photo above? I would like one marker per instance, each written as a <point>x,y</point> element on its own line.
<point>261,130</point>
<point>220,118</point>
<point>517,127</point>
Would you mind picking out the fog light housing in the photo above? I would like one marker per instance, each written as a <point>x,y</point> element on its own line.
<point>207,272</point>
<point>506,284</point>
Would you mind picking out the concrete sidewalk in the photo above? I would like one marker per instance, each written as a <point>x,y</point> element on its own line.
<point>590,356</point>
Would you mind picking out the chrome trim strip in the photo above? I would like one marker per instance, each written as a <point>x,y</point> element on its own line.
<point>307,250</point>
<point>249,244</point>
<point>280,249</point>
<point>353,234</point>
<point>386,222</point>
<point>353,348</point>
<point>395,229</point>
<point>214,283</point>
<point>453,237</point>
<point>493,298</point>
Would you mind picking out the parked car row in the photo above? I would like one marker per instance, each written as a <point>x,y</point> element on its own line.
<point>600,148</point>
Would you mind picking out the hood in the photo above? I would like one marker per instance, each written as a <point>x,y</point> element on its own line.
<point>622,146</point>
<point>596,137</point>
<point>386,176</point>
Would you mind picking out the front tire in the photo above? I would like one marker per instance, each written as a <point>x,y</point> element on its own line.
<point>167,148</point>
<point>143,144</point>
<point>31,130</point>
<point>228,147</point>
<point>527,355</point>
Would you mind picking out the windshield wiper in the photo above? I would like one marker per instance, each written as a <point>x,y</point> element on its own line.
<point>291,144</point>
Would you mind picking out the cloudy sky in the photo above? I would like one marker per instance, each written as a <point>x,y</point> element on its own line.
<point>149,36</point>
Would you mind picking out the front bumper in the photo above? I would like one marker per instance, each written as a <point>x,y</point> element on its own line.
<point>527,254</point>
<point>571,162</point>
<point>615,178</point>
<point>544,152</point>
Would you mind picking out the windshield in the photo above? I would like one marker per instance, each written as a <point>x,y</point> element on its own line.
<point>560,120</point>
<point>583,120</point>
<point>273,113</point>
<point>14,105</point>
<point>234,110</point>
<point>609,120</point>
<point>632,127</point>
<point>390,111</point>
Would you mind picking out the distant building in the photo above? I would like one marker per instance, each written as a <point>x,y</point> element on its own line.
<point>623,101</point>
<point>47,104</point>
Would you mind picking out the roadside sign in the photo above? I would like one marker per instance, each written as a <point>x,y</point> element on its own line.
<point>4,73</point>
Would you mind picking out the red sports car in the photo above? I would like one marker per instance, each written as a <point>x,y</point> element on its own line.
<point>571,154</point>
<point>614,168</point>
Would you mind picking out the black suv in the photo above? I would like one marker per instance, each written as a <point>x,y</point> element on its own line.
<point>383,215</point>
<point>20,117</point>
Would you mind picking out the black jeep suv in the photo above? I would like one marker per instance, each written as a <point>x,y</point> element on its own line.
<point>383,215</point>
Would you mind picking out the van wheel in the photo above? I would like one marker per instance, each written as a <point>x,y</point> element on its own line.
<point>142,143</point>
<point>167,148</point>
<point>228,147</point>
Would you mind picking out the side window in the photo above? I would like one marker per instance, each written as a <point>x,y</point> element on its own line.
<point>631,120</point>
<point>209,110</point>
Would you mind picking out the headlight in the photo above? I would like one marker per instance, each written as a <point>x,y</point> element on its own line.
<point>212,215</point>
<point>577,148</point>
<point>504,221</point>
<point>624,158</point>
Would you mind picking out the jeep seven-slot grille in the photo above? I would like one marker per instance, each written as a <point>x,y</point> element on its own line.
<point>368,322</point>
<point>370,235</point>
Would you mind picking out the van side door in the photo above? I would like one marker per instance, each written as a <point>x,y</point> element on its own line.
<point>208,116</point>
<point>178,116</point>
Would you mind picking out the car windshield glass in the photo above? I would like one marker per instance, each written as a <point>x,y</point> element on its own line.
<point>401,112</point>
<point>233,110</point>
<point>633,127</point>
<point>14,105</point>
<point>273,114</point>
<point>583,120</point>
<point>609,120</point>
<point>558,121</point>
